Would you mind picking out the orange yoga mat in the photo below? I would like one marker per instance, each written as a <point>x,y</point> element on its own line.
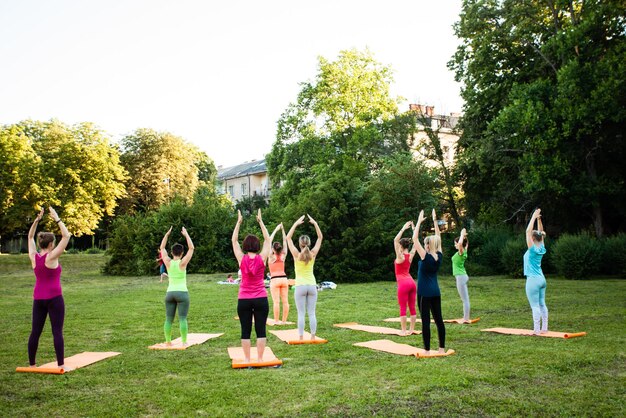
<point>237,357</point>
<point>392,347</point>
<point>376,330</point>
<point>192,339</point>
<point>271,322</point>
<point>290,336</point>
<point>75,362</point>
<point>448,321</point>
<point>549,334</point>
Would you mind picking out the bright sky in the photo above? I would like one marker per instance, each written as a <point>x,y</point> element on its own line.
<point>217,73</point>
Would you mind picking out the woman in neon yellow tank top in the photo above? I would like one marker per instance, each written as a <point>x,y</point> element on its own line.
<point>177,295</point>
<point>306,286</point>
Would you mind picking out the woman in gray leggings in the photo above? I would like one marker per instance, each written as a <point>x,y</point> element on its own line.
<point>458,270</point>
<point>306,286</point>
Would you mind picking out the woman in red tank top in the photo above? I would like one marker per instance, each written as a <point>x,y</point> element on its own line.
<point>279,284</point>
<point>407,289</point>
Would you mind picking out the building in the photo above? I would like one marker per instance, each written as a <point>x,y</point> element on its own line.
<point>244,180</point>
<point>445,125</point>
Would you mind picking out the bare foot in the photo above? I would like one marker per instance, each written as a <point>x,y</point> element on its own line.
<point>168,343</point>
<point>543,331</point>
<point>427,352</point>
<point>467,321</point>
<point>312,337</point>
<point>442,350</point>
<point>33,366</point>
<point>411,331</point>
<point>246,360</point>
<point>185,345</point>
<point>301,337</point>
<point>66,368</point>
<point>260,360</point>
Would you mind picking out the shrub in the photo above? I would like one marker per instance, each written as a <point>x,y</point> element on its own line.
<point>135,240</point>
<point>72,251</point>
<point>94,250</point>
<point>614,255</point>
<point>512,256</point>
<point>577,256</point>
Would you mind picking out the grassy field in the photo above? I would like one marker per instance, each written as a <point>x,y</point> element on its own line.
<point>491,375</point>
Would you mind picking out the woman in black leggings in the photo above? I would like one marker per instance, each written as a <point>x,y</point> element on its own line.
<point>47,295</point>
<point>428,293</point>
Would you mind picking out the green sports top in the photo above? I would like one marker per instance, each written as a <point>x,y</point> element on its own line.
<point>177,277</point>
<point>458,264</point>
<point>304,273</point>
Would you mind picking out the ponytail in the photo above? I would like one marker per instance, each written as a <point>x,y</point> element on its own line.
<point>305,251</point>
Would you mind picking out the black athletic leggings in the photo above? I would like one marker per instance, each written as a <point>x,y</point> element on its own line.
<point>246,309</point>
<point>426,305</point>
<point>54,307</point>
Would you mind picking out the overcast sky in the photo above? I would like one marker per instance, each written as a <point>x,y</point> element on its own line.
<point>219,74</point>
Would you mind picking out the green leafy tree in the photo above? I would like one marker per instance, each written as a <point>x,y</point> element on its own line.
<point>545,91</point>
<point>73,168</point>
<point>161,166</point>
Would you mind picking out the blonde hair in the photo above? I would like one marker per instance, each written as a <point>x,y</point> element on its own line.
<point>305,253</point>
<point>434,241</point>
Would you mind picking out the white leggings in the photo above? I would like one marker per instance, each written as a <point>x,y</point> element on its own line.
<point>461,286</point>
<point>306,298</point>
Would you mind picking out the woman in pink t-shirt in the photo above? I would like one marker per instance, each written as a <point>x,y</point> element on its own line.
<point>252,294</point>
<point>47,295</point>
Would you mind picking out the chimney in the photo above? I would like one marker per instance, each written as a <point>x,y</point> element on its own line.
<point>416,108</point>
<point>430,111</point>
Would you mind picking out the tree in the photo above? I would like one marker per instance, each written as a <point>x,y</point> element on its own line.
<point>335,157</point>
<point>73,168</point>
<point>161,166</point>
<point>545,91</point>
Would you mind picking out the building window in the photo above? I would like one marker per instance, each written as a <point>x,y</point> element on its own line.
<point>244,189</point>
<point>231,191</point>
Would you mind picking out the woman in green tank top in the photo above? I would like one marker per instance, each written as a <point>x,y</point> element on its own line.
<point>177,295</point>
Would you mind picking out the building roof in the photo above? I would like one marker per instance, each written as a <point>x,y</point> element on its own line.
<point>240,170</point>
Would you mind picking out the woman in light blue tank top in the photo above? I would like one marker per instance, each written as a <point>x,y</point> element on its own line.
<point>535,280</point>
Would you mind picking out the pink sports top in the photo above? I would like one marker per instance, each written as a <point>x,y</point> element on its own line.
<point>47,280</point>
<point>252,275</point>
<point>402,269</point>
<point>277,268</point>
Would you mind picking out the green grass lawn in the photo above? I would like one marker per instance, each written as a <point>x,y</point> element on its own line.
<point>490,375</point>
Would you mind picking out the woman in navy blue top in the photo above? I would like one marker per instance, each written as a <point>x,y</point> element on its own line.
<point>428,293</point>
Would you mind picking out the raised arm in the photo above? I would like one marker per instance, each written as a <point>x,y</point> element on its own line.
<point>539,223</point>
<point>282,228</point>
<point>529,228</point>
<point>295,253</point>
<point>267,241</point>
<point>398,237</point>
<point>65,237</point>
<point>164,256</point>
<point>417,245</point>
<point>32,245</point>
<point>187,258</point>
<point>459,245</point>
<point>437,232</point>
<point>235,239</point>
<point>320,237</point>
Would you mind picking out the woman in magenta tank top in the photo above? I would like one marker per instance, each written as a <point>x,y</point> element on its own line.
<point>407,289</point>
<point>252,294</point>
<point>47,294</point>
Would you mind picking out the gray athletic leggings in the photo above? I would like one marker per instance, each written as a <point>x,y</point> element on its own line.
<point>306,298</point>
<point>461,285</point>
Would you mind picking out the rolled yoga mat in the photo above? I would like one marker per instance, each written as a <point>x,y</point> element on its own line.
<point>75,362</point>
<point>192,339</point>
<point>237,358</point>
<point>375,330</point>
<point>392,347</point>
<point>291,336</point>
<point>447,321</point>
<point>528,332</point>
